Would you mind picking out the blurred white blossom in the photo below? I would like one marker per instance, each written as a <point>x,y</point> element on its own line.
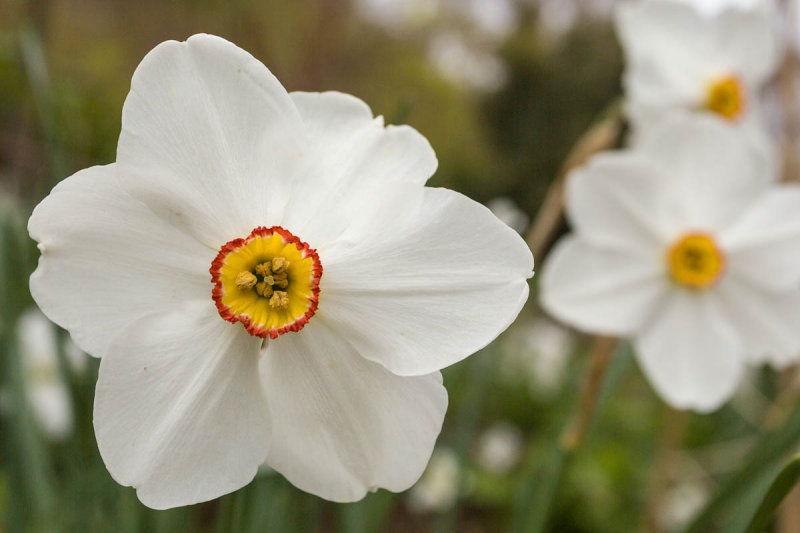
<point>689,246</point>
<point>438,488</point>
<point>557,16</point>
<point>399,16</point>
<point>538,353</point>
<point>712,7</point>
<point>549,347</point>
<point>682,60</point>
<point>496,18</point>
<point>493,18</point>
<point>464,63</point>
<point>500,447</point>
<point>507,210</point>
<point>683,500</point>
<point>47,391</point>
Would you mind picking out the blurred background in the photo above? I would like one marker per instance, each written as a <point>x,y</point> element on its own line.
<point>503,90</point>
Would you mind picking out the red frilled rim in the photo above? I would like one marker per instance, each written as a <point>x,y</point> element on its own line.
<point>219,289</point>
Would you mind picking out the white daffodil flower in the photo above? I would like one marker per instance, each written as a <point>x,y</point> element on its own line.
<point>682,60</point>
<point>690,247</point>
<point>339,285</point>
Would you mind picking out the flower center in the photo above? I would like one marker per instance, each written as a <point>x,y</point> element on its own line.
<point>695,261</point>
<point>726,97</point>
<point>268,281</point>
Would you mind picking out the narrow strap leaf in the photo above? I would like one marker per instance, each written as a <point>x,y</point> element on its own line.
<point>781,486</point>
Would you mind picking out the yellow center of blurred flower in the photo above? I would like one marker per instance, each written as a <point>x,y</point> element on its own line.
<point>726,97</point>
<point>268,281</point>
<point>695,261</point>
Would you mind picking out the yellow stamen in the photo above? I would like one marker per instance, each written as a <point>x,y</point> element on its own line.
<point>245,280</point>
<point>264,269</point>
<point>264,289</point>
<point>279,300</point>
<point>695,261</point>
<point>280,280</point>
<point>726,97</point>
<point>279,265</point>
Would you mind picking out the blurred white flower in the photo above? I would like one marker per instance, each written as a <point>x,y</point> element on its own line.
<point>549,346</point>
<point>683,501</point>
<point>437,489</point>
<point>466,64</point>
<point>688,246</point>
<point>713,7</point>
<point>557,16</point>
<point>399,16</point>
<point>538,353</point>
<point>47,391</point>
<point>332,380</point>
<point>496,18</point>
<point>506,210</point>
<point>500,447</point>
<point>679,60</point>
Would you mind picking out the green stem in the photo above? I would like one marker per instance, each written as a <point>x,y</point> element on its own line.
<point>535,504</point>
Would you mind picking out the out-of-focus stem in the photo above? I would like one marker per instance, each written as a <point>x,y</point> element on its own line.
<point>601,136</point>
<point>787,79</point>
<point>600,357</point>
<point>671,439</point>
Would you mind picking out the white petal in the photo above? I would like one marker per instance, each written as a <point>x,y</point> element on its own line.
<point>750,41</point>
<point>601,291</point>
<point>763,245</point>
<point>429,289</point>
<point>617,201</point>
<point>668,49</point>
<point>767,321</point>
<point>342,425</point>
<point>210,139</point>
<point>355,167</point>
<point>713,171</point>
<point>179,412</point>
<point>107,260</point>
<point>690,353</point>
<point>353,146</point>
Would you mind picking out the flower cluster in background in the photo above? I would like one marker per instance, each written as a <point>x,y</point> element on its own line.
<point>685,242</point>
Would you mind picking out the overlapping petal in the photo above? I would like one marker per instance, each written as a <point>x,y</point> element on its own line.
<point>357,169</point>
<point>353,147</point>
<point>691,355</point>
<point>667,45</point>
<point>617,201</point>
<point>210,139</point>
<point>342,425</point>
<point>602,291</point>
<point>763,244</point>
<point>426,291</point>
<point>714,171</point>
<point>107,260</point>
<point>749,38</point>
<point>179,410</point>
<point>766,321</point>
